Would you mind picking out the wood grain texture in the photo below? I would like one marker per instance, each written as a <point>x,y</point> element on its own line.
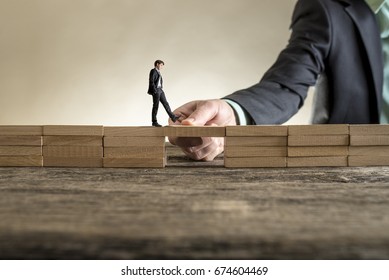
<point>195,131</point>
<point>20,151</point>
<point>355,161</point>
<point>369,150</point>
<point>134,141</point>
<point>318,140</point>
<point>257,130</point>
<point>271,141</point>
<point>73,130</point>
<point>73,141</point>
<point>320,129</point>
<point>21,161</point>
<point>317,162</point>
<point>236,151</point>
<point>255,162</point>
<point>371,129</point>
<point>21,140</point>
<point>318,151</point>
<point>194,213</point>
<point>134,152</point>
<point>73,151</point>
<point>134,131</point>
<point>72,162</point>
<point>26,130</point>
<point>369,140</point>
<point>135,162</point>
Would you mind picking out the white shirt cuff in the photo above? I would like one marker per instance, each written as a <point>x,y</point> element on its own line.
<point>242,117</point>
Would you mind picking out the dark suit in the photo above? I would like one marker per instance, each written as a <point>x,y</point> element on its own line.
<point>336,39</point>
<point>158,94</point>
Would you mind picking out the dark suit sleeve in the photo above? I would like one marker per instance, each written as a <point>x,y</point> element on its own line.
<point>283,88</point>
<point>153,81</point>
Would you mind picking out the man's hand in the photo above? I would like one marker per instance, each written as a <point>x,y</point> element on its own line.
<point>206,112</point>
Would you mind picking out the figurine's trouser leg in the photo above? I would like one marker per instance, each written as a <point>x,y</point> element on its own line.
<point>154,112</point>
<point>165,104</point>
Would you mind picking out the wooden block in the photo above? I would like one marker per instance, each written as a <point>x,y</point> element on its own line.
<point>371,129</point>
<point>355,161</point>
<point>134,152</point>
<point>369,140</point>
<point>135,162</point>
<point>257,130</point>
<point>21,140</point>
<point>317,161</point>
<point>20,151</point>
<point>369,150</point>
<point>25,130</point>
<point>73,151</point>
<point>260,141</point>
<point>235,151</point>
<point>134,141</point>
<point>319,129</point>
<point>21,161</point>
<point>254,162</point>
<point>73,130</point>
<point>318,140</point>
<point>72,162</point>
<point>195,131</point>
<point>73,141</point>
<point>138,131</point>
<point>318,151</point>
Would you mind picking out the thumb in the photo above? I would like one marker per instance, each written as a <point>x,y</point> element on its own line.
<point>205,111</point>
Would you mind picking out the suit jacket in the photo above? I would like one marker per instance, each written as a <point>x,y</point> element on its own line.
<point>153,81</point>
<point>335,39</point>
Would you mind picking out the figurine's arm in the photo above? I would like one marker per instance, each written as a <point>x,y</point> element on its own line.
<point>153,80</point>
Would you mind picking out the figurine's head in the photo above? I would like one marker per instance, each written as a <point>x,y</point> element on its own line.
<point>158,64</point>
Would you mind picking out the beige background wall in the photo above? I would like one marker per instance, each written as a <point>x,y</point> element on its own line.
<point>87,61</point>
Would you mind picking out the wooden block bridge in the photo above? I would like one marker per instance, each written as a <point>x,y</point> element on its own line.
<point>338,145</point>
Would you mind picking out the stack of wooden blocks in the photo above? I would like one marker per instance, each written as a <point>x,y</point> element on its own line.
<point>318,145</point>
<point>72,146</point>
<point>245,146</point>
<point>134,147</point>
<point>256,146</point>
<point>21,146</point>
<point>369,145</point>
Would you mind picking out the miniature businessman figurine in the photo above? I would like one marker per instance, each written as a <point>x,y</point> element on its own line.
<point>156,90</point>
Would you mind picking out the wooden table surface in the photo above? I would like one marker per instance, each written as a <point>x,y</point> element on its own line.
<point>194,211</point>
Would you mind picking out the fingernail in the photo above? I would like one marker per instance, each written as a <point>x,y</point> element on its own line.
<point>189,120</point>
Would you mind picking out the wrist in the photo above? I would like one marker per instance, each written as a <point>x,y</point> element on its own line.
<point>240,115</point>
